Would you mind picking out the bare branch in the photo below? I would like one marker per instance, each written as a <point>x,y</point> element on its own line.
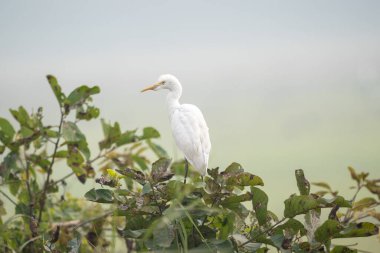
<point>49,171</point>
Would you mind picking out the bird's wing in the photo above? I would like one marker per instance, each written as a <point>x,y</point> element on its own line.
<point>190,132</point>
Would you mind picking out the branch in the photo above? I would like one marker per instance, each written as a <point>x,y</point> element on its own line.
<point>32,222</point>
<point>62,179</point>
<point>9,198</point>
<point>347,216</point>
<point>49,171</point>
<point>264,232</point>
<point>101,155</point>
<point>94,219</point>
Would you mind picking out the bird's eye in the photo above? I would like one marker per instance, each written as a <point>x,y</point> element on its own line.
<point>163,83</point>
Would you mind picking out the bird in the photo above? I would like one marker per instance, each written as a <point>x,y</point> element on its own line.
<point>189,128</point>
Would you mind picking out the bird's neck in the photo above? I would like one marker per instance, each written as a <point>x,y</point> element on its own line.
<point>172,100</point>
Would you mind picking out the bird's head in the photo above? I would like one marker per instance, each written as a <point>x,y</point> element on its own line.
<point>166,81</point>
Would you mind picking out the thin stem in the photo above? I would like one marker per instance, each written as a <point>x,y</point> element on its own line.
<point>63,179</point>
<point>29,241</point>
<point>101,155</point>
<point>94,219</point>
<point>9,198</point>
<point>155,197</point>
<point>347,216</point>
<point>264,232</point>
<point>49,171</point>
<point>186,170</point>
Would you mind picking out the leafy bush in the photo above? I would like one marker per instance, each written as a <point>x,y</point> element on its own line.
<point>149,205</point>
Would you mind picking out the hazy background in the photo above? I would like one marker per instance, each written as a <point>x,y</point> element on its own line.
<point>282,84</point>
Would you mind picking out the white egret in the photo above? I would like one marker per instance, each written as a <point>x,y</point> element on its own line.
<point>188,125</point>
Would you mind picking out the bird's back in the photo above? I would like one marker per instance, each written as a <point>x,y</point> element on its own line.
<point>191,134</point>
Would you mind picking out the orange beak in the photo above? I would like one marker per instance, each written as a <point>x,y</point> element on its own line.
<point>152,87</point>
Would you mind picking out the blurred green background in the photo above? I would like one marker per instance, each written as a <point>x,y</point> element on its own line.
<point>283,85</point>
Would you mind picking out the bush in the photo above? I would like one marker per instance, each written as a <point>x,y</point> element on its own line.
<point>149,205</point>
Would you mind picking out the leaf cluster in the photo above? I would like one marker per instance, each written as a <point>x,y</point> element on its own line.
<point>148,204</point>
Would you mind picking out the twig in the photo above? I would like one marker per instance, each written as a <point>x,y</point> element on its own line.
<point>155,197</point>
<point>349,210</point>
<point>32,221</point>
<point>29,241</point>
<point>264,232</point>
<point>9,198</point>
<point>49,171</point>
<point>94,219</point>
<point>101,155</point>
<point>62,179</point>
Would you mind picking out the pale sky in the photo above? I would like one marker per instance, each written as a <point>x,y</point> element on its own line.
<point>282,84</point>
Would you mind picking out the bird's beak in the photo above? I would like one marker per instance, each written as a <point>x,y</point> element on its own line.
<point>152,87</point>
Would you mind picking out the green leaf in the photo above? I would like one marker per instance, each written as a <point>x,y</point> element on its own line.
<point>71,132</point>
<point>327,230</point>
<point>61,154</point>
<point>75,160</point>
<point>80,94</point>
<point>354,176</point>
<point>234,203</point>
<point>146,189</point>
<point>302,183</point>
<point>126,138</point>
<point>22,116</point>
<point>225,225</point>
<point>22,208</point>
<point>292,227</point>
<point>236,198</point>
<point>87,114</point>
<point>56,89</point>
<point>157,149</point>
<point>135,234</point>
<point>83,147</point>
<point>362,229</point>
<point>111,134</point>
<point>99,196</point>
<point>212,186</point>
<point>343,249</point>
<point>10,163</point>
<point>163,234</point>
<point>51,133</point>
<point>6,131</point>
<point>338,200</point>
<point>74,244</point>
<point>134,174</point>
<point>176,189</point>
<point>214,173</point>
<point>40,161</point>
<point>149,132</point>
<point>259,204</point>
<point>372,186</point>
<point>2,149</point>
<point>160,170</point>
<point>14,184</point>
<point>296,205</point>
<point>141,162</point>
<point>262,250</point>
<point>322,185</point>
<point>248,179</point>
<point>26,132</point>
<point>233,168</point>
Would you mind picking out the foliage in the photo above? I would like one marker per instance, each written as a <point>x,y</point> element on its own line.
<point>147,204</point>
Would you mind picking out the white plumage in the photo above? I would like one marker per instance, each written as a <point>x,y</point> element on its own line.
<point>188,125</point>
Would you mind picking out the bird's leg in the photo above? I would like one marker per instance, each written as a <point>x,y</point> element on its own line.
<point>186,170</point>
